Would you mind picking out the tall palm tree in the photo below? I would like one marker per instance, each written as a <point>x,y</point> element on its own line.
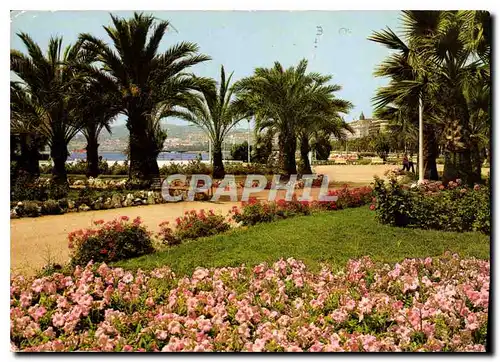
<point>439,58</point>
<point>25,136</point>
<point>134,69</point>
<point>96,113</point>
<point>46,84</point>
<point>410,75</point>
<point>212,110</point>
<point>281,100</point>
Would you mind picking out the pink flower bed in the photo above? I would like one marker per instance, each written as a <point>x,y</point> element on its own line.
<point>416,305</point>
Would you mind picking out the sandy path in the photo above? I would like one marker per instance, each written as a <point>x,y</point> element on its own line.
<point>362,174</point>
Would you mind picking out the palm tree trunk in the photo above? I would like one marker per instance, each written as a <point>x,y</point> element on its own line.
<point>140,150</point>
<point>218,171</point>
<point>59,155</point>
<point>430,154</point>
<point>450,169</point>
<point>288,146</point>
<point>304,156</point>
<point>92,157</point>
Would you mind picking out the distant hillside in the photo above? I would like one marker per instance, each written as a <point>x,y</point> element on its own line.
<point>173,130</point>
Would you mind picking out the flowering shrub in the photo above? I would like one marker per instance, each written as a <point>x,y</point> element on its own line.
<point>193,225</point>
<point>254,211</point>
<point>111,241</point>
<point>416,305</point>
<point>434,206</point>
<point>351,197</point>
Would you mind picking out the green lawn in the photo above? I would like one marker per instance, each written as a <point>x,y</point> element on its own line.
<point>332,237</point>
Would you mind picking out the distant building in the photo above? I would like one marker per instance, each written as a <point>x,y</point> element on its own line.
<point>366,127</point>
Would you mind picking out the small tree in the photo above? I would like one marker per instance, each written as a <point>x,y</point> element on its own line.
<point>239,152</point>
<point>382,145</point>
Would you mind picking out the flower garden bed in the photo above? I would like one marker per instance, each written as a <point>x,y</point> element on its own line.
<point>254,211</point>
<point>416,305</point>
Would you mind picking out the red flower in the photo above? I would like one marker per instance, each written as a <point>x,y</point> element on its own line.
<point>372,207</point>
<point>104,251</point>
<point>124,218</point>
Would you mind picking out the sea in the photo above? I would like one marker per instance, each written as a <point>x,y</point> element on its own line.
<point>163,156</point>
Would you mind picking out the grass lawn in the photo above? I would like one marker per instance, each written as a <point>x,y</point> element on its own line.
<point>332,237</point>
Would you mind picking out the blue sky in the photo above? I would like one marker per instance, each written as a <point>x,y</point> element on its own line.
<point>244,40</point>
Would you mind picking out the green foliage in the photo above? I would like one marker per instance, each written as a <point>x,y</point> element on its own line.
<point>263,149</point>
<point>115,240</point>
<point>193,225</point>
<point>51,207</point>
<point>452,209</point>
<point>239,152</point>
<point>30,209</point>
<point>26,188</point>
<point>254,212</point>
<point>57,191</point>
<point>118,169</point>
<point>323,147</point>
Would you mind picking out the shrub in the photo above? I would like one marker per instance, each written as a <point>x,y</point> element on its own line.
<point>431,304</point>
<point>364,162</point>
<point>193,225</point>
<point>254,211</point>
<point>352,197</point>
<point>192,167</point>
<point>51,207</point>
<point>434,206</point>
<point>78,167</point>
<point>118,169</point>
<point>115,240</point>
<point>86,196</point>
<point>57,191</point>
<point>31,209</point>
<point>25,187</point>
<point>46,168</point>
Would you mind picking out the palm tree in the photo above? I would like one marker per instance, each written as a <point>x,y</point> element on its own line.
<point>25,136</point>
<point>45,87</point>
<point>409,74</point>
<point>436,64</point>
<point>97,114</point>
<point>141,77</point>
<point>281,100</point>
<point>213,110</point>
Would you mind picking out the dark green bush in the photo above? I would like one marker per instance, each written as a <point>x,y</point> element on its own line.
<point>455,208</point>
<point>31,209</point>
<point>51,207</point>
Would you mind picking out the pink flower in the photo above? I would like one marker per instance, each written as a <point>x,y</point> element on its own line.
<point>58,319</point>
<point>128,278</point>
